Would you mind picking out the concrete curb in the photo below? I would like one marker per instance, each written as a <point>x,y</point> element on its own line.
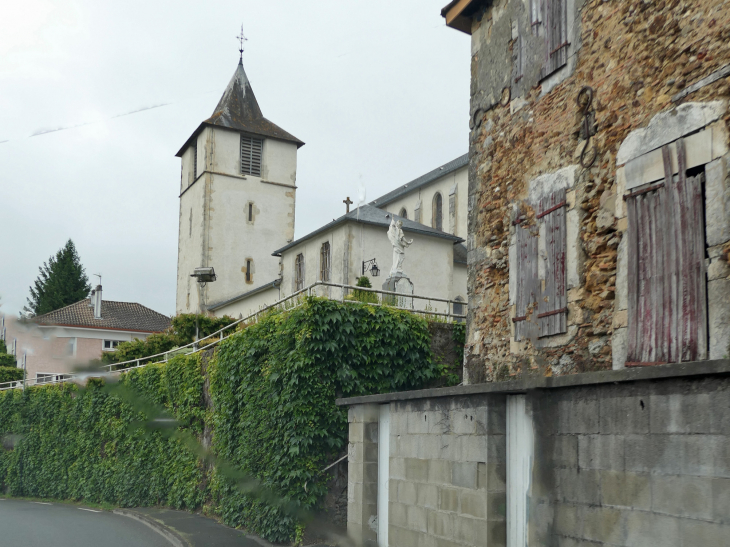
<point>175,539</point>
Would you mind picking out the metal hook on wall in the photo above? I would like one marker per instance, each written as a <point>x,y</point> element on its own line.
<point>588,126</point>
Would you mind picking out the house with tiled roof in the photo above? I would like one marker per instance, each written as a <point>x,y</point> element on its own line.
<point>60,341</point>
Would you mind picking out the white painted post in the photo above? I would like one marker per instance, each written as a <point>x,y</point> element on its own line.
<point>383,474</point>
<point>519,469</point>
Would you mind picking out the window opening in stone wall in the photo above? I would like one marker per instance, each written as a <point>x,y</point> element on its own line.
<point>251,150</point>
<point>299,272</point>
<point>248,271</point>
<point>325,261</point>
<point>437,220</point>
<point>667,300</point>
<point>250,212</point>
<point>403,213</point>
<point>195,161</point>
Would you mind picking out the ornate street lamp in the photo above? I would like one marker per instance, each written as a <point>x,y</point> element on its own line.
<point>370,266</point>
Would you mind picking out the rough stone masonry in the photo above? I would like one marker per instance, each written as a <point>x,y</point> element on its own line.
<point>526,141</point>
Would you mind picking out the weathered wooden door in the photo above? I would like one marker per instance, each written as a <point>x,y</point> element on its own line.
<point>667,302</point>
<point>519,469</point>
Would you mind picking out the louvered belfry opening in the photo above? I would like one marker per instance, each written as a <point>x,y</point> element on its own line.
<point>251,149</point>
<point>195,161</point>
<point>667,301</point>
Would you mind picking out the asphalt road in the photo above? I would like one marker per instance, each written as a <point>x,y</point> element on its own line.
<point>34,524</point>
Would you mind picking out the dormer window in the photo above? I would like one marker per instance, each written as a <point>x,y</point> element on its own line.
<point>251,150</point>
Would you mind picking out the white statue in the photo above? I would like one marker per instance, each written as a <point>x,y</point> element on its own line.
<point>399,242</point>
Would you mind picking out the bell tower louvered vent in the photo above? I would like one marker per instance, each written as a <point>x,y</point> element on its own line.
<point>251,149</point>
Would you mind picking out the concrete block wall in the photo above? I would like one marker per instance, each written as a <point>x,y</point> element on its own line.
<point>447,472</point>
<point>621,458</point>
<point>642,464</point>
<point>362,475</point>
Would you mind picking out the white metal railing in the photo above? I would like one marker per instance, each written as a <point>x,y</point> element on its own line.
<point>218,336</point>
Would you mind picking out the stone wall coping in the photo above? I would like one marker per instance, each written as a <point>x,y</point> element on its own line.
<point>634,374</point>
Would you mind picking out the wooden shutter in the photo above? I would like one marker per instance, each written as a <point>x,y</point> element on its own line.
<point>556,35</point>
<point>251,149</point>
<point>552,308</point>
<point>667,302</point>
<point>536,10</point>
<point>526,290</point>
<point>518,56</point>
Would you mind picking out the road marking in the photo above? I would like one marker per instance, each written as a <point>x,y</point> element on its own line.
<point>41,503</point>
<point>92,510</point>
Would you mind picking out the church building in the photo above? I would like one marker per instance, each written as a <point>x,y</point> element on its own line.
<point>237,206</point>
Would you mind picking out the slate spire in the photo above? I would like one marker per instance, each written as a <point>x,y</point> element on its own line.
<point>238,109</point>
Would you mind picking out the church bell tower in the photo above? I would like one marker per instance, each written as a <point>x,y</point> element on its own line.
<point>237,199</point>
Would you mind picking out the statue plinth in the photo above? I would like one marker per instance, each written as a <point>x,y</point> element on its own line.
<point>399,283</point>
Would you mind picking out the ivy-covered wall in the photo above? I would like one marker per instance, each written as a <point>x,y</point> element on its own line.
<point>8,366</point>
<point>268,395</point>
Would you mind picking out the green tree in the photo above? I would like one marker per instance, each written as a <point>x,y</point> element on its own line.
<point>62,281</point>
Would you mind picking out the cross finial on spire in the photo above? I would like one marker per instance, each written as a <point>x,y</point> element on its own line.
<point>348,202</point>
<point>241,39</point>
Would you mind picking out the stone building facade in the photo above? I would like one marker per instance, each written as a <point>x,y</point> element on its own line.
<point>587,118</point>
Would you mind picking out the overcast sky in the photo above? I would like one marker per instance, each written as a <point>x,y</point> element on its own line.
<point>378,90</point>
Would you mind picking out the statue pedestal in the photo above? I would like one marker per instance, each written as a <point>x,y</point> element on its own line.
<point>400,284</point>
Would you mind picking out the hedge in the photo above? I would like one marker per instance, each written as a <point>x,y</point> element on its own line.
<point>270,407</point>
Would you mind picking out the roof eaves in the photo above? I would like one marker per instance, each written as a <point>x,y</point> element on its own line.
<point>206,123</point>
<point>246,294</point>
<point>346,218</point>
<point>458,14</point>
<point>94,327</point>
<point>422,181</point>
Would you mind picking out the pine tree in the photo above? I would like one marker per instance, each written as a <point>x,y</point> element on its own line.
<point>62,281</point>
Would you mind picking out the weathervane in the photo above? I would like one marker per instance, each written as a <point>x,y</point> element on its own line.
<point>241,39</point>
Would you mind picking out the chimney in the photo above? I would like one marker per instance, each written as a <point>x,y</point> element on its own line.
<point>97,302</point>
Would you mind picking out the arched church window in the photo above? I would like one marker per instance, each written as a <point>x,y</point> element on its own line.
<point>299,272</point>
<point>459,307</point>
<point>325,261</point>
<point>437,219</point>
<point>403,213</point>
<point>251,150</point>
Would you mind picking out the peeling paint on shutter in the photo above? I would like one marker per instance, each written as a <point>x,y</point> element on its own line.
<point>552,305</point>
<point>667,303</point>
<point>556,35</point>
<point>536,9</point>
<point>526,292</point>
